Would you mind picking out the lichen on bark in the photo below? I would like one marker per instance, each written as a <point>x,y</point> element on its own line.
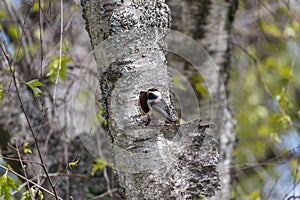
<point>129,47</point>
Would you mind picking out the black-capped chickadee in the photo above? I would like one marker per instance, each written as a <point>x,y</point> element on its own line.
<point>160,108</point>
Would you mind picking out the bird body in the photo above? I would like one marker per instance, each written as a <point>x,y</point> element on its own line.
<point>159,107</point>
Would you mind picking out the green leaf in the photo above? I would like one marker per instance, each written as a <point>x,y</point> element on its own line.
<point>25,148</point>
<point>53,68</point>
<point>13,32</point>
<point>34,84</point>
<point>30,193</point>
<point>294,166</point>
<point>270,29</point>
<point>40,193</point>
<point>35,7</point>
<point>27,195</point>
<point>177,82</point>
<point>6,184</point>
<point>3,14</point>
<point>283,100</point>
<point>201,90</point>
<point>74,163</point>
<point>285,120</point>
<point>198,82</point>
<point>2,94</point>
<point>255,195</point>
<point>99,116</point>
<point>289,31</point>
<point>100,163</point>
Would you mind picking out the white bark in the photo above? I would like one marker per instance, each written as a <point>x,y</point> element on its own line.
<point>128,40</point>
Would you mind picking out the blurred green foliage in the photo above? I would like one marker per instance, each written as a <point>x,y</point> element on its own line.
<point>6,185</point>
<point>99,164</point>
<point>263,84</point>
<point>57,65</point>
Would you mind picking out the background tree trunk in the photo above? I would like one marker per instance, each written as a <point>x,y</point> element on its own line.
<point>209,23</point>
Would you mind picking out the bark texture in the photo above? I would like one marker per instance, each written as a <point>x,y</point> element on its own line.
<point>128,41</point>
<point>209,22</point>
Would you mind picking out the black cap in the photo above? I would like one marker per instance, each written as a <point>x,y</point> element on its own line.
<point>152,90</point>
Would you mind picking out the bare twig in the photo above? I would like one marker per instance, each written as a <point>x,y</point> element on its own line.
<point>60,47</point>
<point>41,39</point>
<point>104,194</point>
<point>23,32</point>
<point>288,192</point>
<point>292,68</point>
<point>16,159</point>
<point>271,190</point>
<point>105,168</point>
<point>280,159</point>
<point>73,175</point>
<point>295,178</point>
<point>107,181</point>
<point>37,185</point>
<point>76,156</point>
<point>23,168</point>
<point>264,83</point>
<point>293,197</point>
<point>28,121</point>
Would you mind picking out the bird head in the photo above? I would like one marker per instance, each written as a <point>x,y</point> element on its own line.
<point>153,94</point>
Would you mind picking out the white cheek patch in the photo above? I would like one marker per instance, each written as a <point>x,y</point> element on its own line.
<point>156,93</point>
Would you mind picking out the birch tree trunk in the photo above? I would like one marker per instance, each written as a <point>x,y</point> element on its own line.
<point>128,42</point>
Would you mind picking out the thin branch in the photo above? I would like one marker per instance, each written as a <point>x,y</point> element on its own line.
<point>271,190</point>
<point>23,32</point>
<point>281,159</point>
<point>76,156</point>
<point>23,168</point>
<point>79,176</point>
<point>105,174</point>
<point>104,194</point>
<point>260,76</point>
<point>41,40</point>
<point>33,183</point>
<point>16,159</point>
<point>295,177</point>
<point>264,82</point>
<point>107,182</point>
<point>292,68</point>
<point>288,192</point>
<point>20,187</point>
<point>28,120</point>
<point>293,197</point>
<point>60,47</point>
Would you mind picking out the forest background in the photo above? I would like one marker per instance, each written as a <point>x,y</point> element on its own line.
<point>264,88</point>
